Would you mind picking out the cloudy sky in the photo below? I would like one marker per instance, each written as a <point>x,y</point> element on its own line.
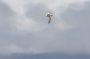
<point>25,29</point>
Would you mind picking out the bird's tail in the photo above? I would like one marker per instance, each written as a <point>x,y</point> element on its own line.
<point>49,21</point>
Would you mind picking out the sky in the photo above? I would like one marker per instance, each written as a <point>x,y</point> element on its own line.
<point>24,27</point>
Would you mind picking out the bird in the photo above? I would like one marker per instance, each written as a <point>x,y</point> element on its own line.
<point>50,17</point>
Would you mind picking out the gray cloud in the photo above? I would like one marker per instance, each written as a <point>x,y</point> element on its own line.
<point>80,34</point>
<point>7,23</point>
<point>37,12</point>
<point>49,39</point>
<point>73,40</point>
<point>5,17</point>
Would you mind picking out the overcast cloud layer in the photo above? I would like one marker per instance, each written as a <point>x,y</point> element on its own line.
<point>24,27</point>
